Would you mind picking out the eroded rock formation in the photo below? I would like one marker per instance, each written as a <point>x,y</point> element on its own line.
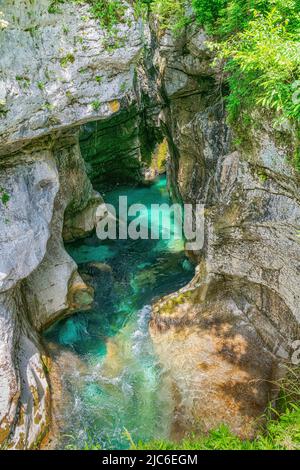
<point>67,89</point>
<point>223,338</point>
<point>58,71</point>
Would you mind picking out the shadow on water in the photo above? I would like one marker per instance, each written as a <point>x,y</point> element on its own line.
<point>121,385</point>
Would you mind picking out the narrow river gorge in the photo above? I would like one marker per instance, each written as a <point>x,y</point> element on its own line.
<point>108,343</point>
<point>117,390</point>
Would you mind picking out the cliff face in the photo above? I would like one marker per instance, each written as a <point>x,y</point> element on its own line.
<point>225,335</point>
<point>58,72</point>
<point>70,90</point>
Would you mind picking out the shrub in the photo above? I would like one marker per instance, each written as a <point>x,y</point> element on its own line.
<point>259,39</point>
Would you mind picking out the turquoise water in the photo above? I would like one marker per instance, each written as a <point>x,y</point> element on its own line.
<point>116,385</point>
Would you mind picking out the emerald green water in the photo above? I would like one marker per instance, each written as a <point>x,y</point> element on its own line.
<point>119,385</point>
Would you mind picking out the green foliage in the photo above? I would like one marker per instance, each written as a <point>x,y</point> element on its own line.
<point>108,12</point>
<point>171,13</point>
<point>259,40</point>
<point>123,87</point>
<point>297,159</point>
<point>54,7</point>
<point>66,29</point>
<point>88,445</point>
<point>48,106</point>
<point>208,11</point>
<point>225,17</point>
<point>4,196</point>
<point>67,60</point>
<point>23,80</point>
<point>159,159</point>
<point>41,85</point>
<point>281,434</point>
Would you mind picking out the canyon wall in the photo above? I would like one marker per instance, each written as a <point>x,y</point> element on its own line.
<point>68,90</point>
<point>225,337</point>
<point>58,72</point>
